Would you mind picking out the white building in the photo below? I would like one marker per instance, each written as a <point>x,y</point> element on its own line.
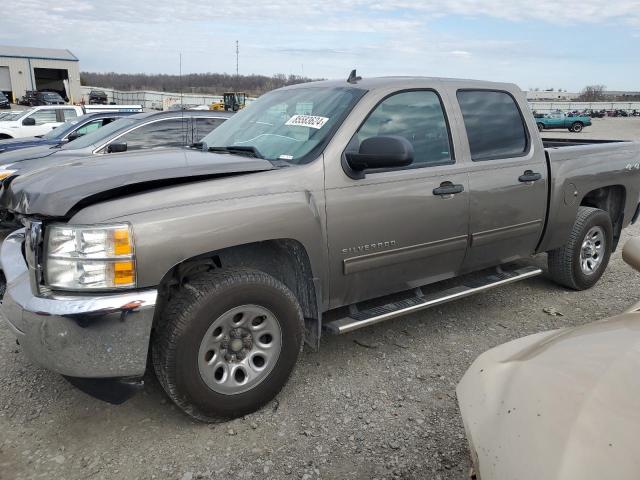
<point>27,68</point>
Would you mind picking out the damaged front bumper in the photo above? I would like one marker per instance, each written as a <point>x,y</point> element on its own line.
<point>92,336</point>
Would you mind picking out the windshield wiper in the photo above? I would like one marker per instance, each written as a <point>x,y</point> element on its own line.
<point>238,150</point>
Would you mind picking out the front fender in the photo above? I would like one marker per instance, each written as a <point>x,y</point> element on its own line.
<point>6,131</point>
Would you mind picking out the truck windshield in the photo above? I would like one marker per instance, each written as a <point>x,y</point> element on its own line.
<point>291,125</point>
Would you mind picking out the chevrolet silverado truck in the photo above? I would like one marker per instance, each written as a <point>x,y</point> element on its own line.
<point>326,206</point>
<point>573,123</point>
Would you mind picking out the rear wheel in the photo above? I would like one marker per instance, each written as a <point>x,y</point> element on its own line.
<point>540,127</point>
<point>576,127</point>
<point>580,263</point>
<point>227,343</point>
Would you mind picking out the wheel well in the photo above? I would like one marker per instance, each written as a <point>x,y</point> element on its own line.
<point>611,199</point>
<point>284,259</point>
<point>4,136</point>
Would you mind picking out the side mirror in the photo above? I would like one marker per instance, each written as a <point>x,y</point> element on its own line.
<point>381,152</point>
<point>29,122</point>
<point>631,253</point>
<point>72,136</point>
<point>117,148</point>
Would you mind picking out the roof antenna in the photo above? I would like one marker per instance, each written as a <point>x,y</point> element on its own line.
<point>353,78</point>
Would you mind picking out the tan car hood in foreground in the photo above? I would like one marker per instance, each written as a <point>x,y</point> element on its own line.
<point>559,405</point>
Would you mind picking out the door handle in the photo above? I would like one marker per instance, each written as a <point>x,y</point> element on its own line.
<point>448,188</point>
<point>529,177</point>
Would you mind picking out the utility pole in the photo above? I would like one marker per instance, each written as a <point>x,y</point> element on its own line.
<point>237,69</point>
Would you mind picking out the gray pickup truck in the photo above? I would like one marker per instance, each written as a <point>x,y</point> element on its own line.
<point>327,206</point>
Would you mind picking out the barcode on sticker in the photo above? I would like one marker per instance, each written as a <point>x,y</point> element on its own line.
<point>310,121</point>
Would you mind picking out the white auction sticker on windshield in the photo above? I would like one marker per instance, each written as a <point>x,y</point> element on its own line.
<point>310,121</point>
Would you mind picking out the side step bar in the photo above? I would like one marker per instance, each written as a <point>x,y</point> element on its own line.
<point>363,318</point>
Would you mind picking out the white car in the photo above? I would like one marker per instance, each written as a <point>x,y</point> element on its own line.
<point>38,121</point>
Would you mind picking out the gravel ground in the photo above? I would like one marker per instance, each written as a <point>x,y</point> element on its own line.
<point>377,403</point>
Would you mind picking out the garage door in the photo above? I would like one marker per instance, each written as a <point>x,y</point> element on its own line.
<point>5,80</point>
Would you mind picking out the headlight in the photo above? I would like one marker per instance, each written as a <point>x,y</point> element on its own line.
<point>5,173</point>
<point>90,257</point>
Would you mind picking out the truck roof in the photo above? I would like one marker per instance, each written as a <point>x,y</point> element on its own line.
<point>375,83</point>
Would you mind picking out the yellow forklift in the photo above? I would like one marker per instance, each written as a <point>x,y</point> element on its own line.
<point>231,102</point>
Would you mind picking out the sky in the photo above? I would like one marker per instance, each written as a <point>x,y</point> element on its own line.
<point>536,44</point>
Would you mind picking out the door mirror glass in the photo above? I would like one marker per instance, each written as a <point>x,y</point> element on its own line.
<point>392,151</point>
<point>29,122</point>
<point>117,148</point>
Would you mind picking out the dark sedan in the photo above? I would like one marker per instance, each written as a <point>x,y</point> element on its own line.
<point>4,101</point>
<point>66,132</point>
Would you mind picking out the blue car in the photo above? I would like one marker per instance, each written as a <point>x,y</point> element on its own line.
<point>66,132</point>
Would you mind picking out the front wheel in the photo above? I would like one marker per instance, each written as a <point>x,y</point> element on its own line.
<point>580,263</point>
<point>540,127</point>
<point>227,343</point>
<point>576,127</point>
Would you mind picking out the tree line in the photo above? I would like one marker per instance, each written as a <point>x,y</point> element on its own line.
<point>205,83</point>
<point>598,93</point>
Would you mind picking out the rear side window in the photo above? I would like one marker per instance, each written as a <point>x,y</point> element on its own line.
<point>69,113</point>
<point>494,125</point>
<point>419,117</point>
<point>204,125</point>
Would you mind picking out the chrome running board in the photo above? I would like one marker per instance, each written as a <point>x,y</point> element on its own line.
<point>363,318</point>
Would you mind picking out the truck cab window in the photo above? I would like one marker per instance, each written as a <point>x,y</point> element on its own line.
<point>419,117</point>
<point>494,125</point>
<point>44,116</point>
<point>69,114</point>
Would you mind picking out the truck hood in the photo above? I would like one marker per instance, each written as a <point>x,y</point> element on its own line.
<point>561,404</point>
<point>57,189</point>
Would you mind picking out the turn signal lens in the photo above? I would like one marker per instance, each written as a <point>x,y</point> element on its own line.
<point>124,273</point>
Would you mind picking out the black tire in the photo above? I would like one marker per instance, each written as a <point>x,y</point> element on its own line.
<point>576,127</point>
<point>188,316</point>
<point>540,127</point>
<point>564,262</point>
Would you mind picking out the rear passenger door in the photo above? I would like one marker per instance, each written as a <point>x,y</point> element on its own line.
<point>507,179</point>
<point>391,230</point>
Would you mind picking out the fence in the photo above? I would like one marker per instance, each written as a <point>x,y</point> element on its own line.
<point>544,107</point>
<point>151,100</point>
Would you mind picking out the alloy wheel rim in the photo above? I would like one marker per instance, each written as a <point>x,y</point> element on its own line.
<point>592,250</point>
<point>239,350</point>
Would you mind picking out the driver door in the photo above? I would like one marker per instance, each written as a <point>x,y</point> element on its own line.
<point>391,231</point>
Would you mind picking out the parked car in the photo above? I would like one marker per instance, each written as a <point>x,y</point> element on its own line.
<point>323,206</point>
<point>48,98</point>
<point>561,404</point>
<point>40,120</point>
<point>98,97</point>
<point>67,132</point>
<point>4,101</point>
<point>573,123</point>
<point>28,99</point>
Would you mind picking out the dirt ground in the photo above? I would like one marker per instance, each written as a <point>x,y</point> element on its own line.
<point>377,403</point>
